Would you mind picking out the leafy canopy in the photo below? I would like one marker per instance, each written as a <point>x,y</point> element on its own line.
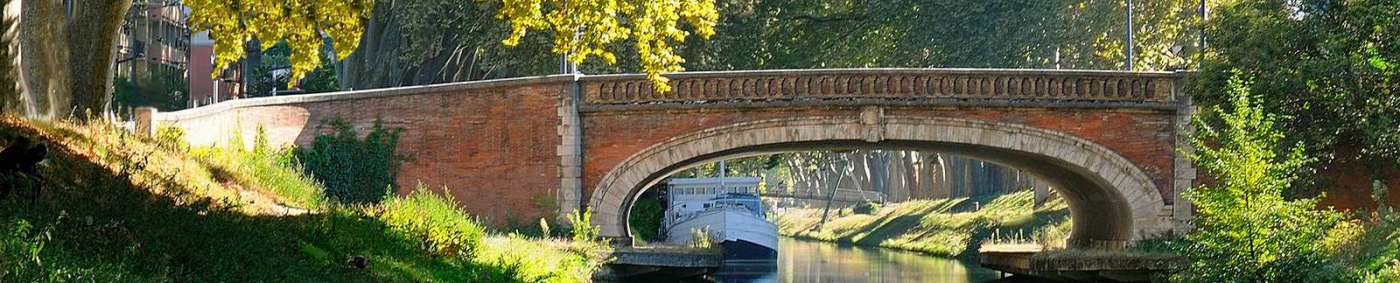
<point>1331,67</point>
<point>582,28</point>
<point>585,28</point>
<point>231,23</point>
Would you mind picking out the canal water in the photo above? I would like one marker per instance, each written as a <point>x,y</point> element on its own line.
<point>802,261</point>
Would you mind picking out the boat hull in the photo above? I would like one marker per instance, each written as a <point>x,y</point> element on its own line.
<point>743,235</point>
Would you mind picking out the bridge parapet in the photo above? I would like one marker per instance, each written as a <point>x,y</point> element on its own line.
<point>887,84</point>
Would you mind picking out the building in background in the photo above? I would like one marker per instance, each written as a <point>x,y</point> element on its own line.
<point>154,38</point>
<point>206,89</point>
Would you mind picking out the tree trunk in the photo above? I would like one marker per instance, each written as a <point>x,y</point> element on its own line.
<point>43,78</point>
<point>92,41</point>
<point>9,73</point>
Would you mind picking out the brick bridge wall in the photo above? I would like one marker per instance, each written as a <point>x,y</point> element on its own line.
<point>502,146</point>
<point>491,145</point>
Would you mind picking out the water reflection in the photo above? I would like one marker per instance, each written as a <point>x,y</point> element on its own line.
<point>801,261</point>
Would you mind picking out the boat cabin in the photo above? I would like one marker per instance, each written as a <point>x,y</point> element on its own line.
<point>688,196</point>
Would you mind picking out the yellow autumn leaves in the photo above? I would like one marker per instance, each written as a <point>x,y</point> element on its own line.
<point>302,23</point>
<point>584,28</point>
<point>581,28</point>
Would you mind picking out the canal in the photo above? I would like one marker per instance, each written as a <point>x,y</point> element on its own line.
<point>803,261</point>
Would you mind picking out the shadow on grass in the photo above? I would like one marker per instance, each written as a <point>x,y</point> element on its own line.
<point>94,219</point>
<point>887,228</point>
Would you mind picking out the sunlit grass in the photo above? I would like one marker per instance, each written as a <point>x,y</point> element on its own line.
<point>120,208</point>
<point>949,227</point>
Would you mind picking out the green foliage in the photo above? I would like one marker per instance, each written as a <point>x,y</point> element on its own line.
<point>273,170</point>
<point>583,29</point>
<point>24,258</point>
<point>583,228</point>
<point>129,210</point>
<point>353,169</point>
<point>866,207</point>
<point>232,23</point>
<point>278,58</point>
<point>170,136</point>
<point>164,89</point>
<point>1069,34</point>
<point>518,259</point>
<point>1369,246</point>
<point>1327,68</point>
<point>1246,231</point>
<point>434,220</point>
<point>645,218</point>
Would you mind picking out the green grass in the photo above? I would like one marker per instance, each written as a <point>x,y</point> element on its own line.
<point>119,208</point>
<point>950,227</point>
<point>264,171</point>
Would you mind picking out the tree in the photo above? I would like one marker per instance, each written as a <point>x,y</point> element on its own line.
<point>419,42</point>
<point>586,28</point>
<point>1070,34</point>
<point>67,60</point>
<point>164,89</point>
<point>270,74</point>
<point>1330,69</point>
<point>1246,231</point>
<point>231,23</point>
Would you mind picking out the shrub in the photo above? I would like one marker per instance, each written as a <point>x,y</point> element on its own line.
<point>1246,231</point>
<point>434,220</point>
<point>171,137</point>
<point>866,207</point>
<point>646,216</point>
<point>353,169</point>
<point>583,229</point>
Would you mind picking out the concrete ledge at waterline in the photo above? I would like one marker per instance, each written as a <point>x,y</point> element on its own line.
<point>665,257</point>
<point>1081,265</point>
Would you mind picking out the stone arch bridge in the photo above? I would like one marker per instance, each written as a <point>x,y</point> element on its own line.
<point>520,149</point>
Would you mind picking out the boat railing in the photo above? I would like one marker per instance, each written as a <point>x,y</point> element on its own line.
<point>675,218</point>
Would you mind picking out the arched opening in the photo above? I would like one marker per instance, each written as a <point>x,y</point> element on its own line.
<point>1111,201</point>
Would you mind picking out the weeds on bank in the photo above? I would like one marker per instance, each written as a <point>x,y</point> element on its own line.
<point>120,208</point>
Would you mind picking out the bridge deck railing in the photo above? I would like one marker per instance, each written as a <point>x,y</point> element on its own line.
<point>912,84</point>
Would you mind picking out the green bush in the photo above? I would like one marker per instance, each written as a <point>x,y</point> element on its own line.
<point>433,220</point>
<point>583,228</point>
<point>866,207</point>
<point>645,218</point>
<point>1246,231</point>
<point>353,169</point>
<point>171,137</point>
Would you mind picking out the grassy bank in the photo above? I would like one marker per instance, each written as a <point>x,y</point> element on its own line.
<point>119,208</point>
<point>950,227</point>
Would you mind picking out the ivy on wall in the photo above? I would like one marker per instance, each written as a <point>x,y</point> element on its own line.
<point>353,169</point>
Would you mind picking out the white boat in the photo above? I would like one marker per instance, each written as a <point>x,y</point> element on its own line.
<point>727,209</point>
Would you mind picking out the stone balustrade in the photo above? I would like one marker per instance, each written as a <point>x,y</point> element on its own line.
<point>894,84</point>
